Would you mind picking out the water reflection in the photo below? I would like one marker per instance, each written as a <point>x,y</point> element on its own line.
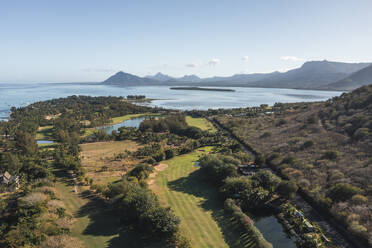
<point>135,122</point>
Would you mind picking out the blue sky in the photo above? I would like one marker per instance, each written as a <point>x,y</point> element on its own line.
<point>76,41</point>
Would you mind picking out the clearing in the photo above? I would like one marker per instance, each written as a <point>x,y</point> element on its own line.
<point>196,203</point>
<point>107,161</point>
<point>201,123</point>
<point>44,133</point>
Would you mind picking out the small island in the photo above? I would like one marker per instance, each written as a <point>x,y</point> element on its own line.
<point>199,88</point>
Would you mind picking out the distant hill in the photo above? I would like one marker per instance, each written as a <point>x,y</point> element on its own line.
<point>160,77</point>
<point>126,79</point>
<point>189,78</point>
<point>311,75</point>
<point>355,80</point>
<point>241,78</point>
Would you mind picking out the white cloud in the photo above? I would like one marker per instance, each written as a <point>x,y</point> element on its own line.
<point>214,62</point>
<point>195,63</point>
<point>245,58</point>
<point>291,58</point>
<point>192,65</point>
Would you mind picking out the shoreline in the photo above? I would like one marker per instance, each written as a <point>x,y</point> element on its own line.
<point>202,89</point>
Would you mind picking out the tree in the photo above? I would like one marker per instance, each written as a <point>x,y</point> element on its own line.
<point>169,153</point>
<point>26,143</point>
<point>141,171</point>
<point>159,156</point>
<point>218,168</point>
<point>9,162</point>
<point>267,180</point>
<point>287,189</point>
<point>159,221</point>
<point>260,159</point>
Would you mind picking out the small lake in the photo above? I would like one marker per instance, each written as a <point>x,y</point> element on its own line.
<point>39,142</point>
<point>274,232</point>
<point>134,122</point>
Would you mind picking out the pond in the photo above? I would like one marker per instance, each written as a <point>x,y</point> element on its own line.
<point>134,122</point>
<point>39,142</point>
<point>274,232</point>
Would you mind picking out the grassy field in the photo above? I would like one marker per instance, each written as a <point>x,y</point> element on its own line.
<point>44,132</point>
<point>98,154</point>
<point>201,123</point>
<point>202,216</point>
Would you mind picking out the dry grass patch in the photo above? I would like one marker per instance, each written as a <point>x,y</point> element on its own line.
<point>102,162</point>
<point>62,241</point>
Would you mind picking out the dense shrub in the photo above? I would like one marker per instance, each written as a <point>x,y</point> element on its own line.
<point>260,159</point>
<point>217,168</point>
<point>141,171</point>
<point>287,189</point>
<point>343,192</point>
<point>169,153</point>
<point>140,207</point>
<point>331,155</point>
<point>307,144</point>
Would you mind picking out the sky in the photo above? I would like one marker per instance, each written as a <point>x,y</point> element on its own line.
<point>87,41</point>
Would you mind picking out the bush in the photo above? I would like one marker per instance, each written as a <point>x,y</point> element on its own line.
<point>159,156</point>
<point>169,153</point>
<point>288,160</point>
<point>307,144</point>
<point>151,161</point>
<point>281,122</point>
<point>287,189</point>
<point>359,199</point>
<point>34,199</point>
<point>331,155</point>
<point>361,133</point>
<point>312,119</point>
<point>218,168</point>
<point>260,159</point>
<point>343,192</point>
<point>265,135</point>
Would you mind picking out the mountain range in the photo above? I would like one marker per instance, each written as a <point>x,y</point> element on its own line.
<point>311,75</point>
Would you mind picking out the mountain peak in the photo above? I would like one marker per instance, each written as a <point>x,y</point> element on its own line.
<point>123,78</point>
<point>160,77</point>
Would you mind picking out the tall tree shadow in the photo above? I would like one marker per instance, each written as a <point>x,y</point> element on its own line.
<point>105,221</point>
<point>194,184</point>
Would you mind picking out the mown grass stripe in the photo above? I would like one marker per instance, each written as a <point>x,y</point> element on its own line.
<point>196,222</point>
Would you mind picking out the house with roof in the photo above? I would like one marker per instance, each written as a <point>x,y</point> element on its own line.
<point>10,182</point>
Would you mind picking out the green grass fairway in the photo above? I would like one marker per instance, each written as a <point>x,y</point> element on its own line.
<point>201,123</point>
<point>196,203</point>
<point>44,133</point>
